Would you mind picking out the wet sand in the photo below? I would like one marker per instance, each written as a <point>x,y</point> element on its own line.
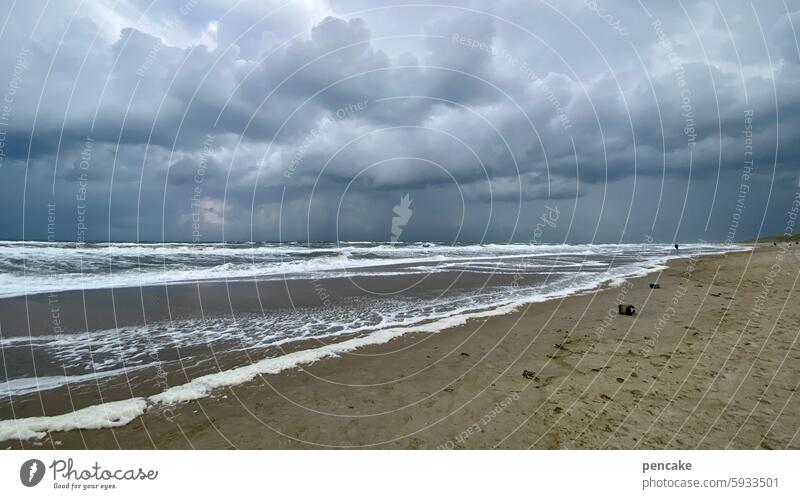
<point>711,360</point>
<point>161,306</point>
<point>92,309</point>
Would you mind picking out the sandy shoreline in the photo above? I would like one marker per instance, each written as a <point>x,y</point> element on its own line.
<point>711,360</point>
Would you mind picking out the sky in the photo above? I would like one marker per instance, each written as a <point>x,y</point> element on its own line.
<point>351,120</point>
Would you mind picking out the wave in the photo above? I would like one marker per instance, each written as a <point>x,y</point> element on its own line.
<point>23,386</point>
<point>39,267</point>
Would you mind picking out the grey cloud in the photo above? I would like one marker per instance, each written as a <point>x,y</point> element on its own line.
<point>508,107</point>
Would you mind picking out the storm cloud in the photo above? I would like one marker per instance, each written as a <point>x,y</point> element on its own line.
<point>198,120</point>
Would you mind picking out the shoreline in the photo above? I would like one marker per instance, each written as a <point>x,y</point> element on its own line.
<point>463,387</point>
<point>124,314</point>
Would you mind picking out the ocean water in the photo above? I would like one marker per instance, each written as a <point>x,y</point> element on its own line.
<point>42,267</point>
<point>505,277</point>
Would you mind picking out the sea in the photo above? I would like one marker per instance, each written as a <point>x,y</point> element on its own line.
<point>361,293</point>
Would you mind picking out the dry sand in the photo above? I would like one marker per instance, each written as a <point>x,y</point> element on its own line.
<point>711,360</point>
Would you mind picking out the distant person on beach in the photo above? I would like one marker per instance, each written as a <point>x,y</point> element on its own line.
<point>676,247</point>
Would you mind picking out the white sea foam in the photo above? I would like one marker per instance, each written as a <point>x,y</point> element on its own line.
<point>108,415</point>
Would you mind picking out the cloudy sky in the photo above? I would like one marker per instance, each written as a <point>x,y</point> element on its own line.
<point>294,120</point>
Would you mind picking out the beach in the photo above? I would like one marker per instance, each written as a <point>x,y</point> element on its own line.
<point>710,360</point>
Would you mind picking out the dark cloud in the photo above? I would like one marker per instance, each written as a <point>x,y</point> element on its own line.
<point>312,120</point>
